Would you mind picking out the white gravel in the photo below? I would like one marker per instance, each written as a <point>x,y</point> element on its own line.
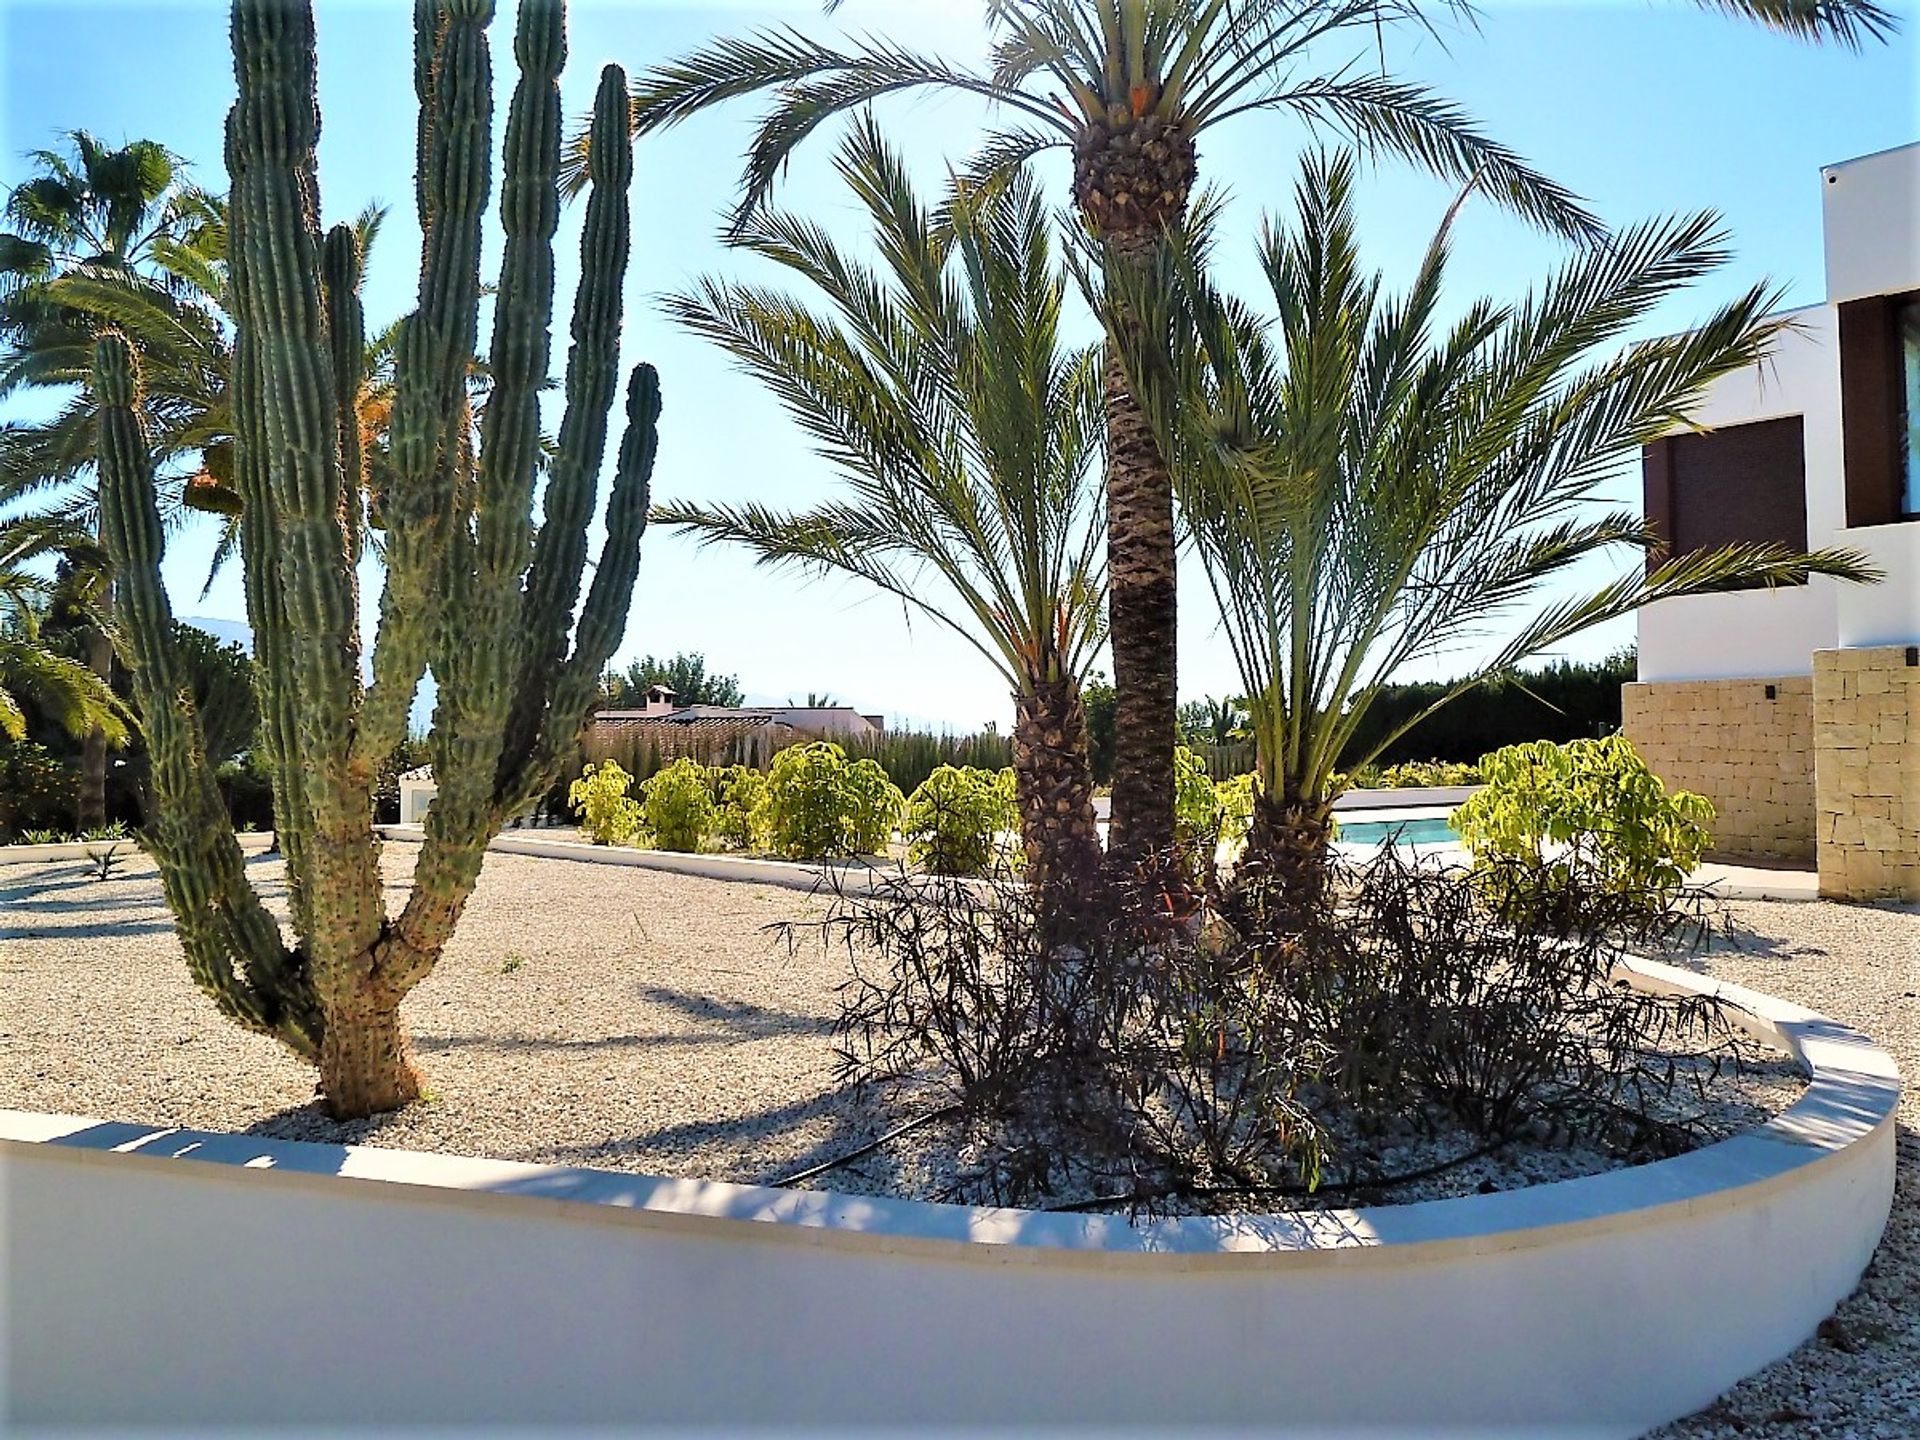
<point>583,1014</point>
<point>1859,1379</point>
<point>642,1020</point>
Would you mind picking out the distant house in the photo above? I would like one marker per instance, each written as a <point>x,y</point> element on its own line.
<point>416,794</point>
<point>719,734</point>
<point>711,734</point>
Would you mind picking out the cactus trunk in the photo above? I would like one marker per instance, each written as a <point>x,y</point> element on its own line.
<point>365,1068</point>
<point>472,589</point>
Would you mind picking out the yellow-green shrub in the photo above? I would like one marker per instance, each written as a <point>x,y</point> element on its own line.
<point>608,815</point>
<point>740,806</point>
<point>1196,803</point>
<point>1591,809</point>
<point>679,808</point>
<point>819,805</point>
<point>955,817</point>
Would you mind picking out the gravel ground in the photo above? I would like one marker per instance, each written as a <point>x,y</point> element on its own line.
<point>641,1020</point>
<point>583,1015</point>
<point>1860,1377</point>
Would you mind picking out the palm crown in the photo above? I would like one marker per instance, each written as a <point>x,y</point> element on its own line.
<point>1128,84</point>
<point>967,431</point>
<point>1367,487</point>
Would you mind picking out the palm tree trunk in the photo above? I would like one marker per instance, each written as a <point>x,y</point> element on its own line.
<point>91,805</point>
<point>1288,859</point>
<point>1053,786</point>
<point>1141,603</point>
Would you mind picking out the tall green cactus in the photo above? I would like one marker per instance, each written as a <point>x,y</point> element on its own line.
<point>473,589</point>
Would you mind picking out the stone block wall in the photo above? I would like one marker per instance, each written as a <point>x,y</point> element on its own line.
<point>1751,755</point>
<point>1866,706</point>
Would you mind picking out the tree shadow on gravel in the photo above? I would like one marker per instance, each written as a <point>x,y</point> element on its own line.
<point>741,1141</point>
<point>513,1044</point>
<point>741,1018</point>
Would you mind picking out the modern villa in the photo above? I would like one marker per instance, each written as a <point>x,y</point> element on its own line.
<point>1797,711</point>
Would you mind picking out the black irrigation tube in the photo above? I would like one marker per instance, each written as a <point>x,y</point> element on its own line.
<point>872,1145</point>
<point>1385,1182</point>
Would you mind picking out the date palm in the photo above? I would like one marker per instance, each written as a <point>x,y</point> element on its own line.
<point>66,692</point>
<point>90,219</point>
<point>1369,484</point>
<point>969,433</point>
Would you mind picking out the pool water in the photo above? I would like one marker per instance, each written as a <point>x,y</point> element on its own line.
<point>1431,831</point>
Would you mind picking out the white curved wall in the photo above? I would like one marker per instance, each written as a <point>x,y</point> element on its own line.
<point>197,1280</point>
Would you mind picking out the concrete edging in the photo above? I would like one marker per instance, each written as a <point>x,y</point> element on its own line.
<point>252,841</point>
<point>417,1286</point>
<point>851,875</point>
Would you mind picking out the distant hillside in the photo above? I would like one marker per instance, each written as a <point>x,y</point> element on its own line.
<point>235,632</point>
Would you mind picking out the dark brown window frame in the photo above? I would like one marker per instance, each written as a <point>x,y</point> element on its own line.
<point>1872,403</point>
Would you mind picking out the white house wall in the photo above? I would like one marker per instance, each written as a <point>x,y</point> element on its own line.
<point>1743,635</point>
<point>1872,223</point>
<point>1887,613</point>
<point>1758,634</point>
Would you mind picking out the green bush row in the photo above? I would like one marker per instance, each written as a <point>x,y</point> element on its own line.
<point>815,804</point>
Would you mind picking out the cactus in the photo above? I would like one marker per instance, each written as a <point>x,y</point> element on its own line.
<point>473,590</point>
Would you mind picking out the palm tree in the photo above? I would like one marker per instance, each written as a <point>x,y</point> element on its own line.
<point>66,692</point>
<point>1128,86</point>
<point>1368,486</point>
<point>968,433</point>
<point>88,233</point>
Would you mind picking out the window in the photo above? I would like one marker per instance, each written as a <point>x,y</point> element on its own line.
<point>1880,407</point>
<point>1910,407</point>
<point>1740,483</point>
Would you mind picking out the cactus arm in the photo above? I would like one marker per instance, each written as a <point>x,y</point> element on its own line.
<point>347,343</point>
<point>434,352</point>
<point>276,125</point>
<point>553,582</point>
<point>266,603</point>
<point>429,25</point>
<point>475,655</point>
<point>201,867</point>
<point>603,619</point>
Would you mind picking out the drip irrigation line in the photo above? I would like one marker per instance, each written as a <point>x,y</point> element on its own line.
<point>1384,1182</point>
<point>872,1145</point>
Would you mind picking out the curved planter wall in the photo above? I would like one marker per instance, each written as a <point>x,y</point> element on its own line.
<point>167,1277</point>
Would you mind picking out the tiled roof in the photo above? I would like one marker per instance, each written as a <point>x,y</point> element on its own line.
<point>686,720</point>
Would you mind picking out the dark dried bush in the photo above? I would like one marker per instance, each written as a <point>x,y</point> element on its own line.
<point>1184,1048</point>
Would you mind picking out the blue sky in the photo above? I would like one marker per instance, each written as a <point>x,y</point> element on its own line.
<point>1641,107</point>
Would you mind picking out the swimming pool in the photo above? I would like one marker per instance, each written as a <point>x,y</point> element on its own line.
<point>1427,830</point>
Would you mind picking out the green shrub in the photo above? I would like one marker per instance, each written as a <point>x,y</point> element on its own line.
<point>678,807</point>
<point>248,790</point>
<point>1196,803</point>
<point>608,815</point>
<point>955,817</point>
<point>819,805</point>
<point>37,789</point>
<point>1235,800</point>
<point>1587,812</point>
<point>739,795</point>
